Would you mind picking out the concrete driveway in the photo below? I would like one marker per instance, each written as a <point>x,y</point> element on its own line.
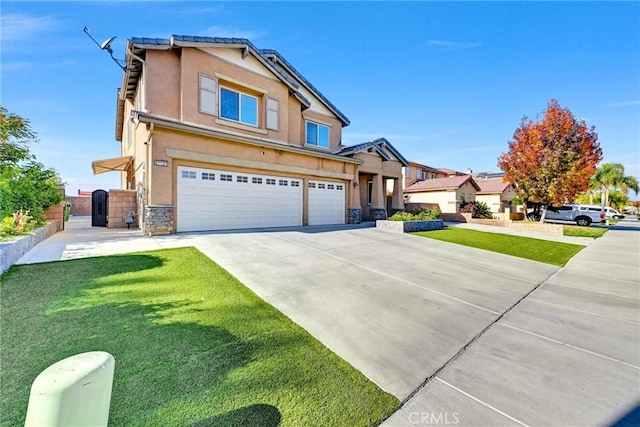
<point>397,307</point>
<point>426,320</point>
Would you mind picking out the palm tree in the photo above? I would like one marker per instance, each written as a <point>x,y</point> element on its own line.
<point>611,176</point>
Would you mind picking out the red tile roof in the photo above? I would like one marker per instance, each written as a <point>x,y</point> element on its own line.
<point>491,185</point>
<point>439,184</point>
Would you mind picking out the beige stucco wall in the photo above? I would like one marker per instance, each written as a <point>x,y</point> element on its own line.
<point>445,199</point>
<point>198,151</point>
<point>468,191</point>
<point>172,91</point>
<point>374,164</point>
<point>491,200</point>
<point>496,201</point>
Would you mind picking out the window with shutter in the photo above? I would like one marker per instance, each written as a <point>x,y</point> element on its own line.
<point>208,100</point>
<point>272,114</point>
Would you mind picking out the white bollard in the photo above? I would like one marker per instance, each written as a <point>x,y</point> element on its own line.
<point>75,391</point>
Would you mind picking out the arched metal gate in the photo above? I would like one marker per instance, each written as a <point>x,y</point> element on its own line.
<point>99,208</point>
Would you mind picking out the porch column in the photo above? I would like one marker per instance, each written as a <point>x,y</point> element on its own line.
<point>378,209</point>
<point>397,202</point>
<point>354,207</point>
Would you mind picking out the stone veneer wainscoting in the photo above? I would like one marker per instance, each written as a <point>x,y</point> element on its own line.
<point>158,219</point>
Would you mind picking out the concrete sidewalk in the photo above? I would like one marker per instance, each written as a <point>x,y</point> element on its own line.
<point>567,354</point>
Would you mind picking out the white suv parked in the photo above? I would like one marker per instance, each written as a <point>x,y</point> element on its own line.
<point>582,214</point>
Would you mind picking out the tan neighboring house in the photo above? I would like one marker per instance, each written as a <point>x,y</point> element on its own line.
<point>496,193</point>
<point>218,134</point>
<point>415,172</point>
<point>447,192</point>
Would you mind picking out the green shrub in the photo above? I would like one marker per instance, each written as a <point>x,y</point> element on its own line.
<point>517,201</point>
<point>418,215</point>
<point>481,210</point>
<point>18,223</point>
<point>477,210</point>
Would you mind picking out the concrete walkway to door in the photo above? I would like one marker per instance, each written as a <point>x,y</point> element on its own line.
<point>80,240</point>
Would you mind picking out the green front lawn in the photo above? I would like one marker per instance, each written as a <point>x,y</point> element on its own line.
<point>577,231</point>
<point>193,346</point>
<point>523,247</point>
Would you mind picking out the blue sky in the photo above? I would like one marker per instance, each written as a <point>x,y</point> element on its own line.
<point>446,82</point>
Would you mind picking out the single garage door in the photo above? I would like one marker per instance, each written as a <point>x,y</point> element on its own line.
<point>326,203</point>
<point>210,199</point>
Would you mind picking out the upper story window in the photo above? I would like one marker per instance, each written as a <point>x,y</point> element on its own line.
<point>238,106</point>
<point>317,134</point>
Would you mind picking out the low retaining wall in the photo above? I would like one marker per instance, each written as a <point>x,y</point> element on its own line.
<point>456,217</point>
<point>12,250</point>
<point>540,228</point>
<point>409,226</point>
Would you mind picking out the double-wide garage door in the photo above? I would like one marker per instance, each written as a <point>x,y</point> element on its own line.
<point>211,199</point>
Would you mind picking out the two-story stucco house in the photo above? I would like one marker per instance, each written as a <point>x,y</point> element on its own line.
<point>218,134</point>
<point>415,172</point>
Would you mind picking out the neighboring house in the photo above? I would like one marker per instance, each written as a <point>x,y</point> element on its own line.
<point>488,174</point>
<point>496,193</point>
<point>415,172</point>
<point>450,172</point>
<point>447,192</point>
<point>218,134</point>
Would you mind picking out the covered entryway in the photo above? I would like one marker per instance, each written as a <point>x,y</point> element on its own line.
<point>212,199</point>
<point>326,203</point>
<point>99,208</point>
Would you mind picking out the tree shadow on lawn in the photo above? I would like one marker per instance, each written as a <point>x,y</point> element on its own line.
<point>259,415</point>
<point>156,362</point>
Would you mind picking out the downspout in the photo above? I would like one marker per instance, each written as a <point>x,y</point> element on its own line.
<point>143,193</point>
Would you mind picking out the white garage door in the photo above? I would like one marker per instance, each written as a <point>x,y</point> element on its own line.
<point>211,199</point>
<point>326,203</point>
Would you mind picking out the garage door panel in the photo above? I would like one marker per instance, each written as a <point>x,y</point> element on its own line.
<point>232,200</point>
<point>326,203</point>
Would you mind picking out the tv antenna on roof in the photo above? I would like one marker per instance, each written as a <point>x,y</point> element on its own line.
<point>106,45</point>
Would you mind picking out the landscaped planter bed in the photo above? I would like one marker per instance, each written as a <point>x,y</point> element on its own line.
<point>410,226</point>
<point>12,250</point>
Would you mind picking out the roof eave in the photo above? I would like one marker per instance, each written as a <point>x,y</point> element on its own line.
<point>198,130</point>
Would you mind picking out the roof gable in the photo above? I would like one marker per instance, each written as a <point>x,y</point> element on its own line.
<point>380,145</point>
<point>270,59</point>
<point>441,184</point>
<point>492,185</point>
<point>276,58</point>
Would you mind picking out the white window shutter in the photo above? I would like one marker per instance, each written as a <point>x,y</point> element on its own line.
<point>208,99</point>
<point>272,114</point>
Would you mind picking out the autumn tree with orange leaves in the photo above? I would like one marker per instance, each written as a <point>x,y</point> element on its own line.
<point>551,161</point>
